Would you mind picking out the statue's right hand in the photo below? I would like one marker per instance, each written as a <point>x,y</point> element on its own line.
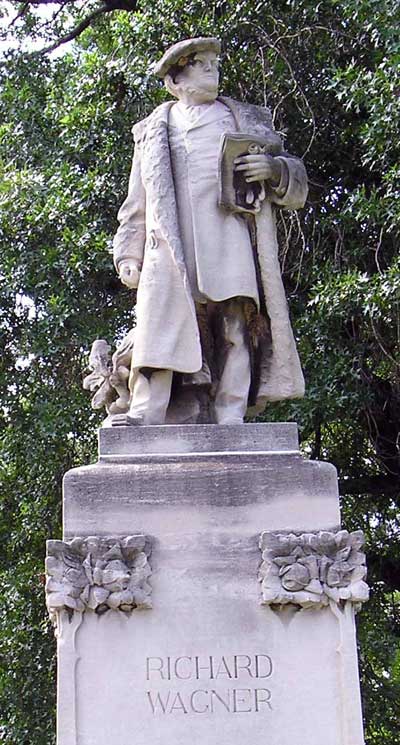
<point>129,273</point>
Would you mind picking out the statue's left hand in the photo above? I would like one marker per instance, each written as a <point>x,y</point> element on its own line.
<point>260,167</point>
<point>129,273</point>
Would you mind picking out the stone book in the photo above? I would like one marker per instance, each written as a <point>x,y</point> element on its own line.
<point>236,195</point>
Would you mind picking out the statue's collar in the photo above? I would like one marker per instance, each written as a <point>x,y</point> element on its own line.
<point>161,113</point>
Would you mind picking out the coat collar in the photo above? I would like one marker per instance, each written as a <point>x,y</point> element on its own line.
<point>247,116</point>
<point>189,120</point>
<point>161,113</point>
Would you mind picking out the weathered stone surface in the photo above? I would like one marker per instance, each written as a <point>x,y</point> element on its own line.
<point>195,475</point>
<point>199,438</point>
<point>97,574</point>
<point>209,662</point>
<point>313,569</point>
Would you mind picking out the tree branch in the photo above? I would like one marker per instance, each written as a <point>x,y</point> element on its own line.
<point>374,485</point>
<point>20,13</point>
<point>76,31</point>
<point>107,6</point>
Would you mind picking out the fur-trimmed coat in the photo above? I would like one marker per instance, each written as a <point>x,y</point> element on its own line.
<point>167,334</point>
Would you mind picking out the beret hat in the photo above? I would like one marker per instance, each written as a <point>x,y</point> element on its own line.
<point>184,49</point>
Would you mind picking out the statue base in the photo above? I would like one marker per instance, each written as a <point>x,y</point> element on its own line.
<point>204,592</point>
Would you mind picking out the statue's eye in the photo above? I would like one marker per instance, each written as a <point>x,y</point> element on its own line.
<point>205,63</point>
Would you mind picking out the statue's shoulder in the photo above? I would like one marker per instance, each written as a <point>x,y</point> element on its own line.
<point>139,130</point>
<point>249,113</point>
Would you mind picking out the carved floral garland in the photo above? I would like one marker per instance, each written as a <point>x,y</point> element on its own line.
<point>313,569</point>
<point>98,573</point>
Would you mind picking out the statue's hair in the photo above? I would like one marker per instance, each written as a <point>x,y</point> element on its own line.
<point>175,69</point>
<point>169,83</point>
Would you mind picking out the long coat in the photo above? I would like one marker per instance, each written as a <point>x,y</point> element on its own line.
<point>167,334</point>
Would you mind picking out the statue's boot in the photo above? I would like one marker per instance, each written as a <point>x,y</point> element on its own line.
<point>150,397</point>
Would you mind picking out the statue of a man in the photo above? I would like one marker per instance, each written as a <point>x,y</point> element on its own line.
<point>212,322</point>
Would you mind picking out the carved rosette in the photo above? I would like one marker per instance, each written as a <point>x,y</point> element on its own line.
<point>98,574</point>
<point>312,570</point>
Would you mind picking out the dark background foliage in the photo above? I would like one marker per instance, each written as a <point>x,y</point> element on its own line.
<point>330,73</point>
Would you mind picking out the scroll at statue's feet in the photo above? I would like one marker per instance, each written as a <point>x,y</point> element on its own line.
<point>134,420</point>
<point>125,420</point>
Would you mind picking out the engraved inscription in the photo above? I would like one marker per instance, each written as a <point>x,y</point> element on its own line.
<point>210,667</point>
<point>241,698</point>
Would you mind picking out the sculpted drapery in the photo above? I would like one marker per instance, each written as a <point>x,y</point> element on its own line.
<point>153,221</point>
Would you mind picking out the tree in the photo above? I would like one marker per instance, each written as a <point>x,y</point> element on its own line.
<point>330,75</point>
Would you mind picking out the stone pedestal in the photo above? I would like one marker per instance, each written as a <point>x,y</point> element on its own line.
<point>204,593</point>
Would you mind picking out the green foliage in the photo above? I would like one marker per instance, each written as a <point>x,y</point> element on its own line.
<point>330,74</point>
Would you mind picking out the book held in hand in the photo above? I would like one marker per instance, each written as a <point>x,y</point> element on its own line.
<point>235,194</point>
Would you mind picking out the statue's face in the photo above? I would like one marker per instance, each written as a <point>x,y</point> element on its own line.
<point>200,76</point>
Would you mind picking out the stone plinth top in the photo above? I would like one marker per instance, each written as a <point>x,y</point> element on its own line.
<point>151,478</point>
<point>271,437</point>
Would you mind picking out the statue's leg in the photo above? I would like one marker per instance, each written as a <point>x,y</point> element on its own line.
<point>233,388</point>
<point>150,397</point>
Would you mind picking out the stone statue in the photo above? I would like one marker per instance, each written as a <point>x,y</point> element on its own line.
<point>197,240</point>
